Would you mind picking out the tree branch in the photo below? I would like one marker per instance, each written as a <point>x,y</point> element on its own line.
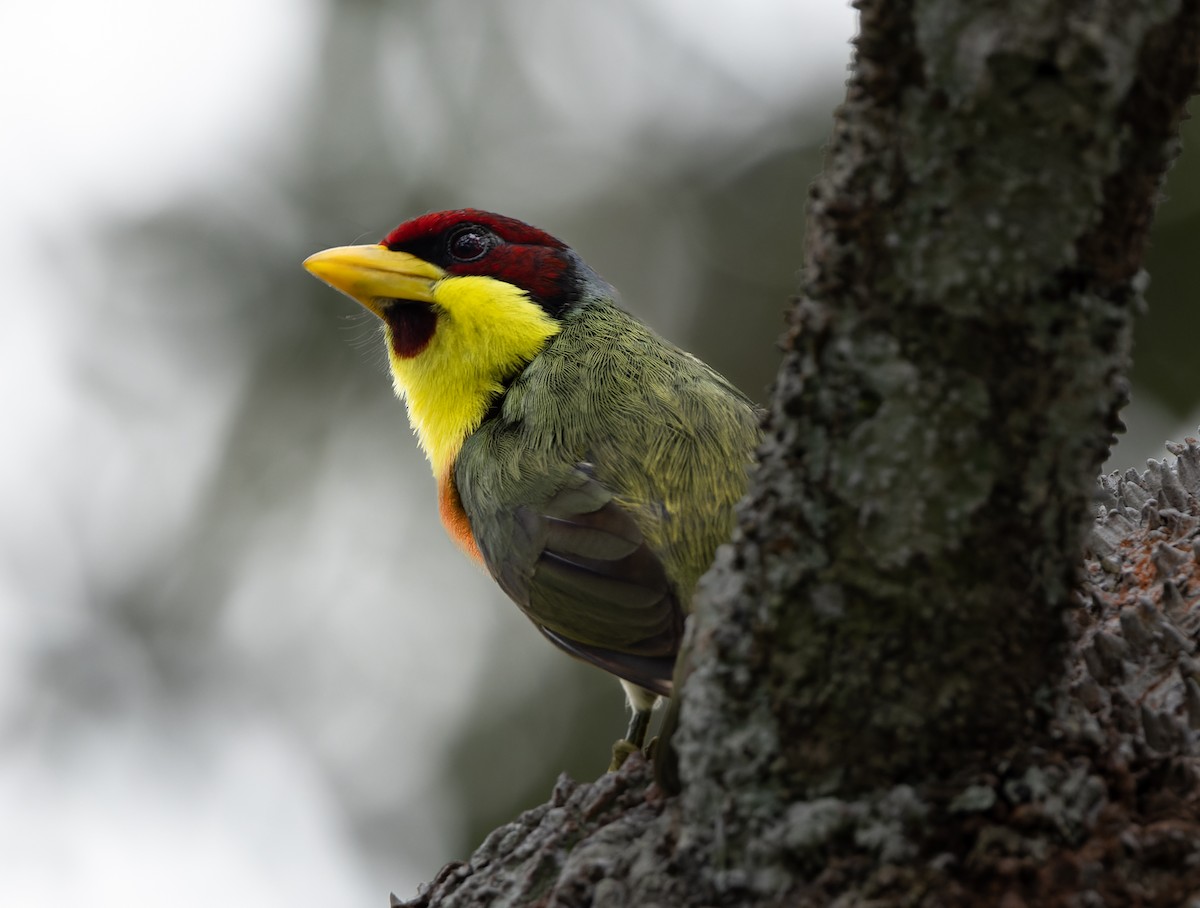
<point>951,386</point>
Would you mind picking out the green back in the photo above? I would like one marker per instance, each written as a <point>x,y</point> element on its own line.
<point>600,487</point>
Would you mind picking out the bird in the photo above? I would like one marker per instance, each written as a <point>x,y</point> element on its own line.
<point>589,465</point>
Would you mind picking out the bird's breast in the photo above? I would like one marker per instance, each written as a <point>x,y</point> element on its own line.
<point>454,517</point>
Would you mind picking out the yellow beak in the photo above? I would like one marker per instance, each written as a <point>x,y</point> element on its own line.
<point>375,275</point>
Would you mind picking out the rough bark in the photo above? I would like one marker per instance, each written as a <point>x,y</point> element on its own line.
<point>897,693</point>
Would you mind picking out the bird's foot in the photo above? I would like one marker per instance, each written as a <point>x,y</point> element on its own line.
<point>651,749</point>
<point>624,748</point>
<point>621,751</point>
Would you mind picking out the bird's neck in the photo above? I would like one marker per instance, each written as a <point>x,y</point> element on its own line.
<point>487,331</point>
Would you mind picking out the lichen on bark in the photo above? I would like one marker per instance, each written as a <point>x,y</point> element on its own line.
<point>951,381</point>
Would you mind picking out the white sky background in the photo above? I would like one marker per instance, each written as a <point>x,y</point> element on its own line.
<point>116,108</point>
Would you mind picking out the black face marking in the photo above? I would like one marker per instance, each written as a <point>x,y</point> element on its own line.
<point>410,326</point>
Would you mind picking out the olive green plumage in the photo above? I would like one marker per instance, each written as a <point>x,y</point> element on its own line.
<point>591,465</point>
<point>600,485</point>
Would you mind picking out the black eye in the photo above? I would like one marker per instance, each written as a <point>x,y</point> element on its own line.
<point>468,244</point>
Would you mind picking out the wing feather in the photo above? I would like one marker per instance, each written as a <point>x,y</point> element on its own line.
<point>600,484</point>
<point>578,565</point>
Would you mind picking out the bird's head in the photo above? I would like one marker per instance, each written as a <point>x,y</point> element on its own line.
<point>467,298</point>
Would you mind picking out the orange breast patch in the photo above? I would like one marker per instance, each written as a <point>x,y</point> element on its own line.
<point>454,518</point>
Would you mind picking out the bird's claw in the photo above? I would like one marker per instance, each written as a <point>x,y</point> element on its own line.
<point>621,751</point>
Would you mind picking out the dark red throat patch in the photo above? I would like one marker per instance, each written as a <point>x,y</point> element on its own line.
<point>411,326</point>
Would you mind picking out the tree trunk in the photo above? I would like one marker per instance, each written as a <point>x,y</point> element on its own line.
<point>896,693</point>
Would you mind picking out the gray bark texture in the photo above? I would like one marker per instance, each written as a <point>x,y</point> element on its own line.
<point>905,682</point>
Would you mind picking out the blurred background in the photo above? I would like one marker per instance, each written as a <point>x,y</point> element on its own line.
<point>239,661</point>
